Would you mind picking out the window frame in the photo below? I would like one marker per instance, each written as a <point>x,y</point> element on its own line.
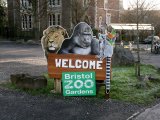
<point>26,22</point>
<point>105,4</point>
<point>56,20</point>
<point>108,18</point>
<point>57,3</point>
<point>86,3</point>
<point>25,4</point>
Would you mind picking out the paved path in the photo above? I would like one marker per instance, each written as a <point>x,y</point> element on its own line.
<point>149,58</point>
<point>19,58</point>
<point>150,114</point>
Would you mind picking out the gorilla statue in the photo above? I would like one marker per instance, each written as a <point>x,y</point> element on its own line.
<point>81,41</point>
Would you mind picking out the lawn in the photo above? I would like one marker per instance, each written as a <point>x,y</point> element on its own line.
<point>124,86</point>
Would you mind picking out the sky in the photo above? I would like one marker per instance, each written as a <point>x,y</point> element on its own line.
<point>127,3</point>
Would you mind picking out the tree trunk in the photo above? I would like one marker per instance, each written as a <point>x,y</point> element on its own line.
<point>36,20</point>
<point>138,54</point>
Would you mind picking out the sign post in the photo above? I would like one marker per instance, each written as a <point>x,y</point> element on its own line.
<point>78,83</point>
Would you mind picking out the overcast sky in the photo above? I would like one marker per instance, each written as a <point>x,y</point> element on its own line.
<point>127,3</point>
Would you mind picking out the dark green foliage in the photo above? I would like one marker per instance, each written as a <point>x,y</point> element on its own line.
<point>2,15</point>
<point>2,19</point>
<point>95,32</point>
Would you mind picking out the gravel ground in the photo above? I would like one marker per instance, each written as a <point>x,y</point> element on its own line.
<point>21,58</point>
<point>21,106</point>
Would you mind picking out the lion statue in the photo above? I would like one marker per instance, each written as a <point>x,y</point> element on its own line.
<point>52,39</point>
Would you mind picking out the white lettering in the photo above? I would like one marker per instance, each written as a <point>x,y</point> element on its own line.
<point>78,86</point>
<point>89,84</point>
<point>58,62</point>
<point>70,64</point>
<point>67,76</point>
<point>92,64</point>
<point>67,91</point>
<point>99,63</point>
<point>78,76</point>
<point>64,63</point>
<point>85,64</point>
<point>78,63</point>
<point>87,76</point>
<point>68,86</point>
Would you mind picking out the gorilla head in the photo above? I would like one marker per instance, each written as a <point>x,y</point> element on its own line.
<point>81,41</point>
<point>82,34</point>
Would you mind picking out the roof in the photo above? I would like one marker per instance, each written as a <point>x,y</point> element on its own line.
<point>132,26</point>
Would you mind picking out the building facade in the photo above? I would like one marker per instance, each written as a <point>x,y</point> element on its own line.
<point>26,19</point>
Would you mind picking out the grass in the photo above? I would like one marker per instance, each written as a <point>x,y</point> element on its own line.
<point>123,86</point>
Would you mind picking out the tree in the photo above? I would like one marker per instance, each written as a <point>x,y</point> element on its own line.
<point>79,11</point>
<point>31,7</point>
<point>37,14</point>
<point>140,9</point>
<point>2,17</point>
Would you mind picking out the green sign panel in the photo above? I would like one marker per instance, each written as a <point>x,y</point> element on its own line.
<point>78,83</point>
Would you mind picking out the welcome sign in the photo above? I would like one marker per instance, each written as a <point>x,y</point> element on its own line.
<point>79,53</point>
<point>78,83</point>
<point>59,63</point>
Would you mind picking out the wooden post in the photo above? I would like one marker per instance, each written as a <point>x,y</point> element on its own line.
<point>107,96</point>
<point>57,86</point>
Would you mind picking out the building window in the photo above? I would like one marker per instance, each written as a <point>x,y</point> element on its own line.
<point>54,3</point>
<point>29,21</point>
<point>58,2</point>
<point>108,18</point>
<point>100,21</point>
<point>105,4</point>
<point>86,2</point>
<point>58,19</point>
<point>25,3</point>
<point>52,19</point>
<point>55,19</point>
<point>26,22</point>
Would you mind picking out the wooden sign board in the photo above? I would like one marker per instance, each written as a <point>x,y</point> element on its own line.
<point>58,63</point>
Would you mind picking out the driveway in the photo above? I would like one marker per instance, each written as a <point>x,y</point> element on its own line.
<point>150,58</point>
<point>147,57</point>
<point>21,58</point>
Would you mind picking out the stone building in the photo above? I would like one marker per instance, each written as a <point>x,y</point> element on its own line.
<point>28,20</point>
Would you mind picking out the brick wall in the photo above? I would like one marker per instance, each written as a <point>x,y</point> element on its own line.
<point>14,15</point>
<point>43,15</point>
<point>66,14</point>
<point>113,6</point>
<point>14,18</point>
<point>101,13</point>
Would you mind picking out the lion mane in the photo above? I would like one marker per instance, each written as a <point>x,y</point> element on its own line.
<point>52,39</point>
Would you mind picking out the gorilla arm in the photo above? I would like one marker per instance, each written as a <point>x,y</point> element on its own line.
<point>95,47</point>
<point>67,45</point>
